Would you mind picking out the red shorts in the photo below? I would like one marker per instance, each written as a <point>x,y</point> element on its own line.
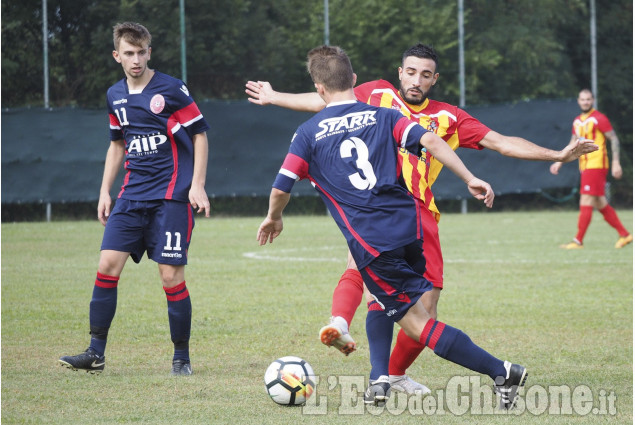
<point>592,181</point>
<point>431,248</point>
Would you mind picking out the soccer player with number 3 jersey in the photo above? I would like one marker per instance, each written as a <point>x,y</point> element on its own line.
<point>593,125</point>
<point>350,152</point>
<point>417,75</point>
<point>157,128</point>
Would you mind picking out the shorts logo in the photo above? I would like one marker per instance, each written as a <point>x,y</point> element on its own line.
<point>157,104</point>
<point>403,298</point>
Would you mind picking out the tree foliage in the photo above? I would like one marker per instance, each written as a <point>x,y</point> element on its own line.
<point>514,49</point>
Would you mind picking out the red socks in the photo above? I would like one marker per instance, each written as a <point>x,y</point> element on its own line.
<point>347,295</point>
<point>404,354</point>
<point>611,218</point>
<point>584,219</point>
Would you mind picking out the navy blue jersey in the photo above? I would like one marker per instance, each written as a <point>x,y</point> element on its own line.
<point>349,153</point>
<point>157,125</point>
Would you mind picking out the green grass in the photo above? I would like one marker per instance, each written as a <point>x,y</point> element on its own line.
<point>566,315</point>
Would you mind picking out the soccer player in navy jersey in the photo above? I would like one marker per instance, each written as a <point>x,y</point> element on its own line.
<point>350,152</point>
<point>417,75</point>
<point>156,126</point>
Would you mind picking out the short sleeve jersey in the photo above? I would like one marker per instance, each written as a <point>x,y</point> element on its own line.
<point>593,125</point>
<point>349,153</point>
<point>157,125</point>
<point>452,124</point>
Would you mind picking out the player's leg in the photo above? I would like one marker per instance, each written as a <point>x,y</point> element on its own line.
<point>379,331</point>
<point>452,344</point>
<point>407,349</point>
<point>168,235</point>
<point>610,216</point>
<point>122,238</point>
<point>179,316</point>
<point>591,184</point>
<point>104,301</point>
<point>346,298</point>
<point>398,287</point>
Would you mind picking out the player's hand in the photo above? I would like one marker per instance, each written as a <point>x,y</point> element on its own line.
<point>578,148</point>
<point>199,200</point>
<point>555,168</point>
<point>269,230</point>
<point>260,92</point>
<point>482,191</point>
<point>616,170</point>
<point>103,208</point>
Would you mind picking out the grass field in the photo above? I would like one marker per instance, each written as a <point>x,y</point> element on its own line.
<point>565,315</point>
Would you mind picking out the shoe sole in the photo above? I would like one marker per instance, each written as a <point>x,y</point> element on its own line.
<point>379,400</point>
<point>403,390</point>
<point>331,336</point>
<point>71,367</point>
<point>571,247</point>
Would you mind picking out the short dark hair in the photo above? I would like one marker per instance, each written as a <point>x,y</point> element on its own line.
<point>331,66</point>
<point>133,33</point>
<point>586,90</point>
<point>422,51</point>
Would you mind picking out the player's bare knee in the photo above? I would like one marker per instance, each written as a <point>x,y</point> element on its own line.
<point>171,275</point>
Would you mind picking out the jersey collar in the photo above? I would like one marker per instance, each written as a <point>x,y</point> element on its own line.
<point>342,102</point>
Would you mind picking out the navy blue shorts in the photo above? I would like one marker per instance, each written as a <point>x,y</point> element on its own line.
<point>163,228</point>
<point>395,279</point>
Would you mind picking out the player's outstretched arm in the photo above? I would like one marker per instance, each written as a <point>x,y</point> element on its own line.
<point>114,158</point>
<point>197,195</point>
<point>443,152</point>
<point>517,147</point>
<point>271,227</point>
<point>261,93</point>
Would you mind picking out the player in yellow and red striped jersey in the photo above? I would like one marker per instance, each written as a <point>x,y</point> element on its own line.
<point>591,124</point>
<point>417,75</point>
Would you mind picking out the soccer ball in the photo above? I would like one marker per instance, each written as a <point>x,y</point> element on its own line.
<point>289,381</point>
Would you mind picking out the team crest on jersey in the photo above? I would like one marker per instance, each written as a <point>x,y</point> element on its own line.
<point>432,125</point>
<point>157,104</point>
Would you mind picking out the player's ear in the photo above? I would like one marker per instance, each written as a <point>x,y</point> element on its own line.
<point>115,55</point>
<point>354,79</point>
<point>399,71</point>
<point>149,52</point>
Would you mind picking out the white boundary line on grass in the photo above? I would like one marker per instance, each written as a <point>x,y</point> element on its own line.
<point>291,254</point>
<point>526,261</point>
<point>283,255</point>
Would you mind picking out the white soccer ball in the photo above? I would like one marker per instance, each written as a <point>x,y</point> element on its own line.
<point>289,381</point>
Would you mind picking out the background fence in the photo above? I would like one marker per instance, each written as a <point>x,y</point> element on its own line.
<point>53,156</point>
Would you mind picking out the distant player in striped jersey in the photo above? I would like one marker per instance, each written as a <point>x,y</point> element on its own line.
<point>157,128</point>
<point>593,125</point>
<point>349,152</point>
<point>417,75</point>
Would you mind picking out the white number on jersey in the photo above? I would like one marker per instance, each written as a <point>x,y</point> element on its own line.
<point>123,115</point>
<point>346,151</point>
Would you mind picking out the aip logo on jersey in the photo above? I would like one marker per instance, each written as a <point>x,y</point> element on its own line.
<point>146,145</point>
<point>157,104</point>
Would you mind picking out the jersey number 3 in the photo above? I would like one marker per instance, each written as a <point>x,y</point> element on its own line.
<point>346,151</point>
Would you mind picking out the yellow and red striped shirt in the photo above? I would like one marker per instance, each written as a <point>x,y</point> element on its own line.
<point>452,124</point>
<point>592,125</point>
